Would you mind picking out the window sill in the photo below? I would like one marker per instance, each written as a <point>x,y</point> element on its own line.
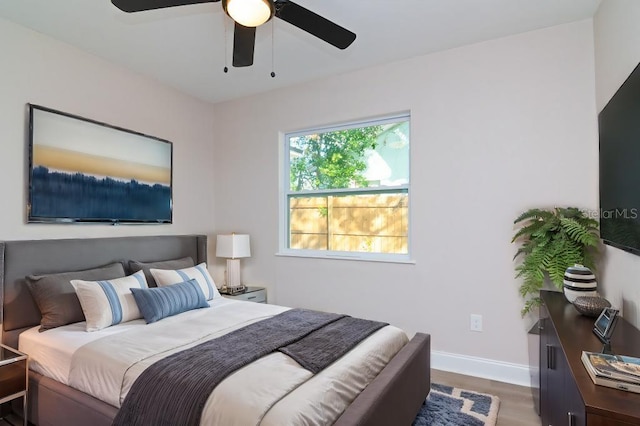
<point>359,257</point>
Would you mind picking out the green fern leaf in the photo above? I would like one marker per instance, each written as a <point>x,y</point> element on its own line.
<point>533,214</point>
<point>528,230</point>
<point>530,305</point>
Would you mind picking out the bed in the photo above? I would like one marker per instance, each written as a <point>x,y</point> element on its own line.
<point>393,396</point>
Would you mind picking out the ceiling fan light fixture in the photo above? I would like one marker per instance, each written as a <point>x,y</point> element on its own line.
<point>249,13</point>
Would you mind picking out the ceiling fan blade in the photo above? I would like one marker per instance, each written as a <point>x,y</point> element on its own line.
<point>314,24</point>
<point>244,41</point>
<point>142,5</point>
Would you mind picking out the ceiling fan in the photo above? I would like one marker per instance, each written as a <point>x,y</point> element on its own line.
<point>249,14</point>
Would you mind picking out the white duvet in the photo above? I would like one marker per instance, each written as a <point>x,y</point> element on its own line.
<point>272,391</point>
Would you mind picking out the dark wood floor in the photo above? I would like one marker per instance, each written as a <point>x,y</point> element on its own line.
<point>516,402</point>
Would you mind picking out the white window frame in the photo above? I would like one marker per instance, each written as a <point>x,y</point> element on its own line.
<point>285,192</point>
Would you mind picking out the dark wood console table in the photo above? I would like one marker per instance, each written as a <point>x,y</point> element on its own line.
<point>567,394</point>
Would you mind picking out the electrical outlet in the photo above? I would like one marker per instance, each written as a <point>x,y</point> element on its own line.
<point>475,323</point>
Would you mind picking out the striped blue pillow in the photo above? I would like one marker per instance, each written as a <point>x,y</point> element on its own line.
<point>161,302</point>
<point>107,303</point>
<point>165,277</point>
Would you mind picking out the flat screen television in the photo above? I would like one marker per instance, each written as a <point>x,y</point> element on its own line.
<point>619,129</point>
<point>84,171</point>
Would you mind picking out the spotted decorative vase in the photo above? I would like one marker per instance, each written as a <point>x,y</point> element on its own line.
<point>579,281</point>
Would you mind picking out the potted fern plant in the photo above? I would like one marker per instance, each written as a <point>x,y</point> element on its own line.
<point>550,242</point>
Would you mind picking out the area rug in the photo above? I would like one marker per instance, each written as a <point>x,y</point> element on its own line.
<point>449,406</point>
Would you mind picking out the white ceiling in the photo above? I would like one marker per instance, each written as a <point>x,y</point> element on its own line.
<point>184,47</point>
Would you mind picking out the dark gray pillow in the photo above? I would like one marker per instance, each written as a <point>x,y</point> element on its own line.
<point>135,266</point>
<point>56,297</point>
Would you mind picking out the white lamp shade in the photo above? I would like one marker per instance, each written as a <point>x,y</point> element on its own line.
<point>233,246</point>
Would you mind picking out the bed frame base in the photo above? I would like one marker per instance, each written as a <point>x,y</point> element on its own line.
<point>53,404</point>
<point>395,396</point>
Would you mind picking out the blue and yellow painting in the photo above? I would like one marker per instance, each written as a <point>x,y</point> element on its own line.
<point>82,171</point>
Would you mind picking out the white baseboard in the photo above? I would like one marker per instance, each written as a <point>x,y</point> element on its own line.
<point>507,372</point>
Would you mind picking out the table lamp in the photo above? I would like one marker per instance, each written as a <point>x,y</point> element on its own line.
<point>233,247</point>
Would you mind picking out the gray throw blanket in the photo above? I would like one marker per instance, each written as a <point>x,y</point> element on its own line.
<point>174,390</point>
<point>322,347</point>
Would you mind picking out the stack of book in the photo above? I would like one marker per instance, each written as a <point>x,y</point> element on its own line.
<point>614,371</point>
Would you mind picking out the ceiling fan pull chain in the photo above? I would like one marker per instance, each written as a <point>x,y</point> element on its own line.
<point>273,73</point>
<point>226,53</point>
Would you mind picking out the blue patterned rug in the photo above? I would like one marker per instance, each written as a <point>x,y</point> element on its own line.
<point>449,406</point>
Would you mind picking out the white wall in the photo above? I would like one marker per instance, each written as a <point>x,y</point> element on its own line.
<point>617,53</point>
<point>37,69</point>
<point>496,128</point>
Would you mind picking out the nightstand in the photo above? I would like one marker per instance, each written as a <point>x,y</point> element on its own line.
<point>252,294</point>
<point>14,377</point>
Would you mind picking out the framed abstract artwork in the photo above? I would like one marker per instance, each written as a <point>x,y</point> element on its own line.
<point>84,171</point>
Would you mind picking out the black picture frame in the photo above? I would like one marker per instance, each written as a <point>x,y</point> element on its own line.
<point>85,171</point>
<point>605,324</point>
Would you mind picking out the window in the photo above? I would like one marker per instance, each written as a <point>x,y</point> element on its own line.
<point>347,191</point>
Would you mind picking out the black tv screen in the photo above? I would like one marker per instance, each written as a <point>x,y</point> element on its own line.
<point>81,170</point>
<point>619,128</point>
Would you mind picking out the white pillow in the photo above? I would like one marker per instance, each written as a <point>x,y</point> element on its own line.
<point>165,277</point>
<point>109,302</point>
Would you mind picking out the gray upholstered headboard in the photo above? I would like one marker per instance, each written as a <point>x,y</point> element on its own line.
<point>21,258</point>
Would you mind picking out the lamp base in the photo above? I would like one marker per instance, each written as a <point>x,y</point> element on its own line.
<point>233,273</point>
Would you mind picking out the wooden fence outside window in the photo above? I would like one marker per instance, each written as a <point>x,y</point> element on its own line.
<point>374,223</point>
